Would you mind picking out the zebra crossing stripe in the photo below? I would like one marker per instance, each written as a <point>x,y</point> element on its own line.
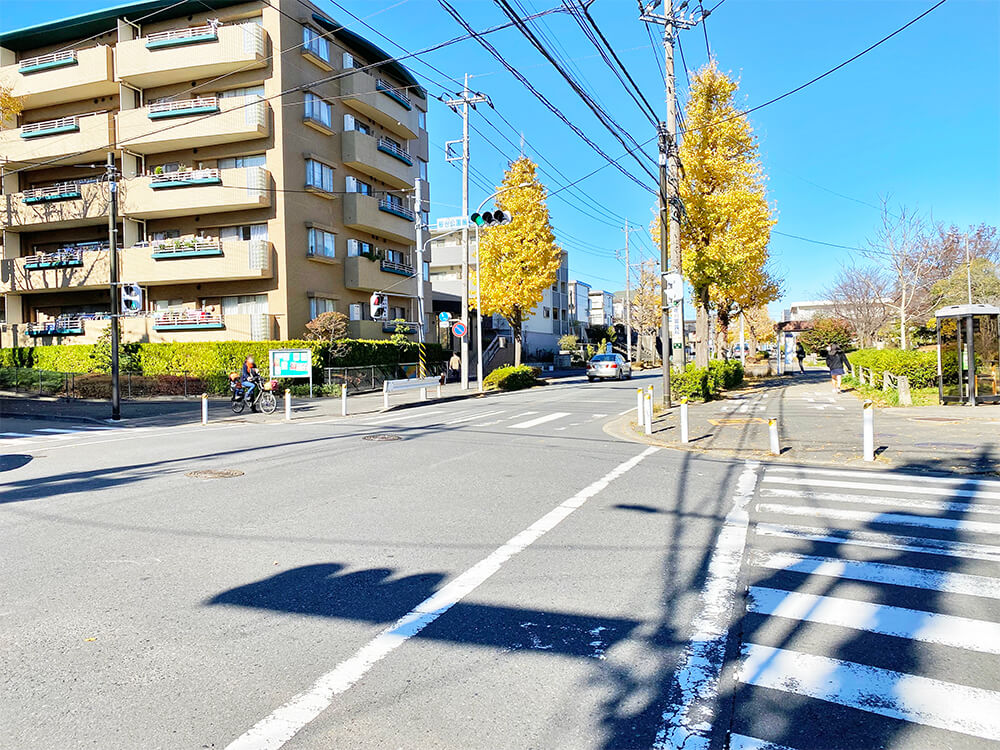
<point>402,418</point>
<point>893,487</point>
<point>896,542</point>
<point>889,519</point>
<point>888,476</point>
<point>933,505</point>
<point>54,431</point>
<point>742,742</point>
<point>470,417</point>
<point>881,573</point>
<point>539,420</point>
<point>928,627</point>
<point>920,700</point>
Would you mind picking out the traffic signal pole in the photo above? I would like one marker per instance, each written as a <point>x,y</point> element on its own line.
<point>116,406</point>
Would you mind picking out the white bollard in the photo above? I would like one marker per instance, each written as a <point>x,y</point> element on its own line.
<point>439,390</point>
<point>684,420</point>
<point>385,398</point>
<point>343,400</point>
<point>423,394</point>
<point>204,408</point>
<point>868,418</point>
<point>649,413</point>
<point>288,405</point>
<point>772,430</point>
<point>640,407</point>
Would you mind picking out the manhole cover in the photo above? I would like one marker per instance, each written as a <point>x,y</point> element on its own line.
<point>214,474</point>
<point>382,436</point>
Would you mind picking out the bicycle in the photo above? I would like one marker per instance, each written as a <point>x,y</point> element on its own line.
<point>263,397</point>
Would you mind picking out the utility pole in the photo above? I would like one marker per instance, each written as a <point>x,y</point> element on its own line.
<point>112,173</point>
<point>670,228</point>
<point>464,101</point>
<point>421,316</point>
<point>968,268</point>
<point>628,290</point>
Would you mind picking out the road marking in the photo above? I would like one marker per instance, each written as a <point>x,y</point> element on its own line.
<point>928,627</point>
<point>623,413</point>
<point>888,476</point>
<point>403,418</point>
<point>742,742</point>
<point>539,420</point>
<point>923,545</point>
<point>881,573</point>
<point>281,725</point>
<point>56,431</point>
<point>524,414</point>
<point>888,519</point>
<point>17,435</point>
<point>895,486</point>
<point>921,700</point>
<point>905,502</point>
<point>687,721</point>
<point>470,417</point>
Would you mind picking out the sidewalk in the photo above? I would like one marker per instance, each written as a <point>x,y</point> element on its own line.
<point>817,426</point>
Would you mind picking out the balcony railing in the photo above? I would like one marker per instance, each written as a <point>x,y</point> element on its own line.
<point>61,326</point>
<point>403,269</point>
<point>187,320</point>
<point>62,191</point>
<point>51,127</point>
<point>392,148</point>
<point>45,62</point>
<point>58,259</point>
<point>176,37</point>
<point>185,248</point>
<point>186,178</point>
<point>397,209</point>
<point>393,92</point>
<point>183,108</point>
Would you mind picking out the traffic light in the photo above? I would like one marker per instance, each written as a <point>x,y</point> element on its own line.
<point>380,306</point>
<point>491,218</point>
<point>131,298</point>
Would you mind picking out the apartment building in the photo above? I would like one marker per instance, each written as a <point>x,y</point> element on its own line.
<point>579,306</point>
<point>548,321</point>
<point>266,158</point>
<point>602,308</point>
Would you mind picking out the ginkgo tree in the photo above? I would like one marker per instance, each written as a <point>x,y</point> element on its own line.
<point>520,260</point>
<point>10,105</point>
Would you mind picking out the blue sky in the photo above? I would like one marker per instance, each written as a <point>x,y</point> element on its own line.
<point>917,119</point>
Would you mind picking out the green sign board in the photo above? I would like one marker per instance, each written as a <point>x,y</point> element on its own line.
<point>290,363</point>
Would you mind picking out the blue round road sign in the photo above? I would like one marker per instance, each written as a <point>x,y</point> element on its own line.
<point>458,329</point>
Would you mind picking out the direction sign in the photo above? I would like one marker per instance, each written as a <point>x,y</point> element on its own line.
<point>444,317</point>
<point>459,329</point>
<point>452,222</point>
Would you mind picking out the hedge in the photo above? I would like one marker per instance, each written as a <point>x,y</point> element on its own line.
<point>207,358</point>
<point>920,367</point>
<point>511,378</point>
<point>706,383</point>
<point>723,374</point>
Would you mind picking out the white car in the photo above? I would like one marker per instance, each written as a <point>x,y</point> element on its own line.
<point>608,366</point>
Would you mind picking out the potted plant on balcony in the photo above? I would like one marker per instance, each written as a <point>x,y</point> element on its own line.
<point>158,170</point>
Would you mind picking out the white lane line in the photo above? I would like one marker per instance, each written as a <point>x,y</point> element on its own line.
<point>889,476</point>
<point>524,414</point>
<point>56,431</point>
<point>905,502</point>
<point>623,413</point>
<point>896,542</point>
<point>169,431</point>
<point>403,417</point>
<point>470,417</point>
<point>539,420</point>
<point>889,519</point>
<point>881,573</point>
<point>920,700</point>
<point>94,427</point>
<point>275,730</point>
<point>742,742</point>
<point>598,416</point>
<point>927,627</point>
<point>893,487</point>
<point>687,722</point>
<point>17,435</point>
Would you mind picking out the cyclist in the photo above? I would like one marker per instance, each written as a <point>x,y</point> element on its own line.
<point>250,377</point>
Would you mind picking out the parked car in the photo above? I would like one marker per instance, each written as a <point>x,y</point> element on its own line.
<point>608,366</point>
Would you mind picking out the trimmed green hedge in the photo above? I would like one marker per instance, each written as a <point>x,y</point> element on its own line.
<point>706,383</point>
<point>920,367</point>
<point>511,378</point>
<point>723,374</point>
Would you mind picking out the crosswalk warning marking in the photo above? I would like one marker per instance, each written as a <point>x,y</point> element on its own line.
<point>888,519</point>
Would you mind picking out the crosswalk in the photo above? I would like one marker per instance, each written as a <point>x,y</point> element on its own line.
<point>41,435</point>
<point>516,420</point>
<point>872,614</point>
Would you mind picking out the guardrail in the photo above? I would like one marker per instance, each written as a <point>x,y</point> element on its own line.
<point>889,381</point>
<point>390,90</point>
<point>203,102</point>
<point>63,122</point>
<point>400,268</point>
<point>178,34</point>
<point>393,148</point>
<point>370,378</point>
<point>187,319</point>
<point>184,247</point>
<point>60,190</point>
<point>409,384</point>
<point>185,176</point>
<point>53,260</point>
<point>399,209</point>
<point>65,57</point>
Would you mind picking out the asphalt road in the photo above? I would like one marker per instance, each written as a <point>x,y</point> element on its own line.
<point>498,573</point>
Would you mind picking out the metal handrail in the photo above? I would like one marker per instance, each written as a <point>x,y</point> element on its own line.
<point>59,256</point>
<point>58,189</point>
<point>60,323</point>
<point>178,245</point>
<point>51,124</point>
<point>202,101</point>
<point>396,207</point>
<point>402,267</point>
<point>187,317</point>
<point>394,147</point>
<point>186,174</point>
<point>181,33</point>
<point>388,88</point>
<point>30,62</point>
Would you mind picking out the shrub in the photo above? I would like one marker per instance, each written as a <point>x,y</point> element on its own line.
<point>919,367</point>
<point>568,343</point>
<point>693,383</point>
<point>723,374</point>
<point>826,331</point>
<point>511,378</point>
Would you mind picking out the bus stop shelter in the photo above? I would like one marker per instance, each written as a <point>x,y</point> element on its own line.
<point>968,354</point>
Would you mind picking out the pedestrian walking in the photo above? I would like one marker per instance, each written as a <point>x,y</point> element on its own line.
<point>836,361</point>
<point>800,355</point>
<point>454,366</point>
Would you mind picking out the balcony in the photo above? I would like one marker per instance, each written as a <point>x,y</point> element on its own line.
<point>371,275</point>
<point>197,261</point>
<point>192,123</point>
<point>188,54</point>
<point>61,326</point>
<point>201,191</point>
<point>363,212</point>
<point>78,138</point>
<point>188,320</point>
<point>61,77</point>
<point>62,206</point>
<point>379,158</point>
<point>381,102</point>
<point>71,268</point>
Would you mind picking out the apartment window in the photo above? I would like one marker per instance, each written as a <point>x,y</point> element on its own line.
<point>394,200</point>
<point>257,90</point>
<point>546,312</point>
<point>427,271</point>
<point>167,305</point>
<point>322,243</point>
<point>354,185</point>
<point>314,43</point>
<point>357,247</point>
<point>422,165</point>
<point>320,305</point>
<point>348,61</point>
<point>351,123</point>
<point>245,304</point>
<point>396,256</point>
<point>244,232</point>
<point>319,110</point>
<point>165,234</point>
<point>238,162</point>
<point>319,175</point>
<point>397,313</point>
<point>355,311</point>
<point>422,120</point>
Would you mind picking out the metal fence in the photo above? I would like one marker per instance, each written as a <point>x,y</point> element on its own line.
<point>71,385</point>
<point>370,378</point>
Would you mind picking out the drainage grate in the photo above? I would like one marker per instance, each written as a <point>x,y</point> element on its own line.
<point>382,436</point>
<point>214,474</point>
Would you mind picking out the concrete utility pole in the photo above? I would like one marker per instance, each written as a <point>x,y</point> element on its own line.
<point>418,209</point>
<point>464,101</point>
<point>628,290</point>
<point>112,174</point>
<point>968,268</point>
